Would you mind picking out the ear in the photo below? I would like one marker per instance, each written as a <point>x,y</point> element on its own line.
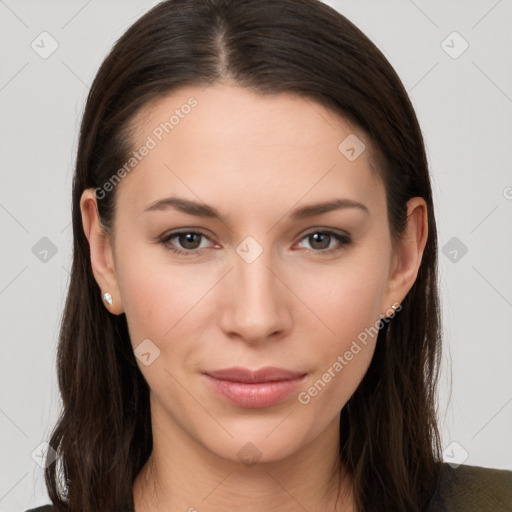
<point>408,254</point>
<point>102,259</point>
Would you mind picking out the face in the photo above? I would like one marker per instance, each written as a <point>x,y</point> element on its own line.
<point>250,277</point>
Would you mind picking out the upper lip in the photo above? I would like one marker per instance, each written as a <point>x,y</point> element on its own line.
<point>266,374</point>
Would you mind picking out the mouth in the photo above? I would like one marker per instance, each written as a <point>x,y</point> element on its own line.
<point>254,388</point>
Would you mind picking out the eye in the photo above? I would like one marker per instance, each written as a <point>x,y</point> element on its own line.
<point>187,239</point>
<point>321,240</point>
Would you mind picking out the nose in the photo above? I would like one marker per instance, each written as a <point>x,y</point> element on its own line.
<point>255,307</point>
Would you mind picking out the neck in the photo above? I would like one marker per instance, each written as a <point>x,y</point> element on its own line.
<point>194,479</point>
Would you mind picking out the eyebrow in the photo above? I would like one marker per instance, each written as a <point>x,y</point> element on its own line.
<point>198,209</point>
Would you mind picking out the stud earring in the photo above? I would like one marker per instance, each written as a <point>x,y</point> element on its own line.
<point>107,298</point>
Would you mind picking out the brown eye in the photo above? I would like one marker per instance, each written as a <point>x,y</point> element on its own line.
<point>187,242</point>
<point>320,241</point>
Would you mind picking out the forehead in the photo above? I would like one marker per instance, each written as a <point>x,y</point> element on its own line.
<point>206,141</point>
<point>220,114</point>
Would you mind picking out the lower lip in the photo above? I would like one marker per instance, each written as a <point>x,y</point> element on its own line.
<point>254,395</point>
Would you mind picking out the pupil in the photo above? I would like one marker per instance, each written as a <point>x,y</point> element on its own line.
<point>318,238</point>
<point>321,235</point>
<point>189,239</point>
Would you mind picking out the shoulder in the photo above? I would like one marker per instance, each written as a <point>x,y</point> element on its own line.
<point>473,488</point>
<point>461,489</point>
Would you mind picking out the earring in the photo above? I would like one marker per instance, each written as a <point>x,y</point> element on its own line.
<point>107,298</point>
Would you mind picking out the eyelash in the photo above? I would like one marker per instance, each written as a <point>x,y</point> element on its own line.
<point>343,239</point>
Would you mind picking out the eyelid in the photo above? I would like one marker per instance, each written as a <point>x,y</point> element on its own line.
<point>172,234</point>
<point>335,231</point>
<point>344,238</point>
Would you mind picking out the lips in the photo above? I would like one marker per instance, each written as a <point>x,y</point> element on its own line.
<point>267,374</point>
<point>254,388</point>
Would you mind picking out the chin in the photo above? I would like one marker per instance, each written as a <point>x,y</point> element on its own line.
<point>257,444</point>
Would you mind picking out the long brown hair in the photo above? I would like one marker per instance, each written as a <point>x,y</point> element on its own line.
<point>388,436</point>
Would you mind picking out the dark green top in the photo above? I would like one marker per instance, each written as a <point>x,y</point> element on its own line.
<point>473,489</point>
<point>464,489</point>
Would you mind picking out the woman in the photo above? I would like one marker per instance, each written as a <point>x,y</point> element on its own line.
<point>253,318</point>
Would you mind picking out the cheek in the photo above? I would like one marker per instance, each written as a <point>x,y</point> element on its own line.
<point>159,305</point>
<point>349,304</point>
<point>145,306</point>
<point>348,299</point>
<point>341,359</point>
<point>156,292</point>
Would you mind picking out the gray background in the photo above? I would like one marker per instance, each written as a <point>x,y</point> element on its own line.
<point>463,101</point>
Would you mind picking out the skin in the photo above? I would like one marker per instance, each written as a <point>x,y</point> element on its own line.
<point>253,158</point>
